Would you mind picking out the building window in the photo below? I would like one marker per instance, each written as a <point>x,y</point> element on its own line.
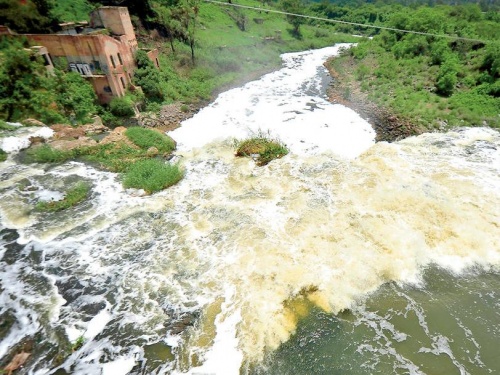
<point>112,61</point>
<point>107,89</point>
<point>123,82</point>
<point>46,60</point>
<point>157,63</point>
<point>119,58</point>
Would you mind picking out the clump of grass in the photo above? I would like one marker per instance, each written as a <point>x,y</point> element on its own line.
<point>115,157</point>
<point>146,138</point>
<point>47,154</point>
<point>263,148</point>
<point>152,175</point>
<point>73,196</point>
<point>3,155</point>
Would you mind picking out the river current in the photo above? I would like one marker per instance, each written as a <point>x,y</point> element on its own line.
<point>343,257</point>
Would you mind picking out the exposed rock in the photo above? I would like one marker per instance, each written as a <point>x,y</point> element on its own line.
<point>170,116</point>
<point>36,140</point>
<point>152,151</point>
<point>71,144</point>
<point>67,132</point>
<point>33,122</point>
<point>92,129</point>
<point>116,136</point>
<point>18,361</point>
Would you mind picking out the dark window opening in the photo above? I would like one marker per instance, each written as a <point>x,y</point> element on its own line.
<point>46,60</point>
<point>107,89</point>
<point>112,61</point>
<point>157,62</point>
<point>123,82</point>
<point>119,58</point>
<point>97,65</point>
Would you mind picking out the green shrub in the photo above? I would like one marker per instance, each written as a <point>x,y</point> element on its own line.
<point>3,155</point>
<point>152,175</point>
<point>262,145</point>
<point>146,138</point>
<point>122,107</point>
<point>72,197</point>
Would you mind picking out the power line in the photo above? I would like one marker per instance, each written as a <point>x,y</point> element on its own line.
<point>345,22</point>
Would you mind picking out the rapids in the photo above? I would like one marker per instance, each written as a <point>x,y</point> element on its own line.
<point>341,245</point>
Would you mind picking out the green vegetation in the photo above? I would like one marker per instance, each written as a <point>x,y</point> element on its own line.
<point>433,82</point>
<point>141,168</point>
<point>262,147</point>
<point>47,154</point>
<point>152,175</point>
<point>122,107</point>
<point>5,126</point>
<point>27,89</point>
<point>28,15</point>
<point>3,155</point>
<point>73,196</point>
<point>78,344</point>
<point>146,138</point>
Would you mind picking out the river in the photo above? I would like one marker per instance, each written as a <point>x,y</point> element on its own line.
<point>343,257</point>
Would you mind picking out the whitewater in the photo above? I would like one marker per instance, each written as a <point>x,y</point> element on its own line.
<point>345,255</point>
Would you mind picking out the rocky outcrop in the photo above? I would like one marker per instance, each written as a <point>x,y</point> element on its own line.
<point>71,144</point>
<point>170,116</point>
<point>117,136</point>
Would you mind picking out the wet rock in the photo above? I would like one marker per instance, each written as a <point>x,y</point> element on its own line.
<point>17,362</point>
<point>68,145</point>
<point>36,140</point>
<point>7,320</point>
<point>92,309</point>
<point>33,122</point>
<point>181,323</point>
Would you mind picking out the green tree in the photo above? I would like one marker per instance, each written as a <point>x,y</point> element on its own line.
<point>294,7</point>
<point>27,16</point>
<point>446,79</point>
<point>148,77</point>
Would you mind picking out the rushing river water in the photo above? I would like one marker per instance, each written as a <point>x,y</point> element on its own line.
<point>344,257</point>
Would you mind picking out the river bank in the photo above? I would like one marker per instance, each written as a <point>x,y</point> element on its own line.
<point>346,90</point>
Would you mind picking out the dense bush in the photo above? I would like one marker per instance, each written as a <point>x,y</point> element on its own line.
<point>122,107</point>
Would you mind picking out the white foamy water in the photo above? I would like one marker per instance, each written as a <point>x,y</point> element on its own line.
<point>234,252</point>
<point>21,140</point>
<point>289,103</point>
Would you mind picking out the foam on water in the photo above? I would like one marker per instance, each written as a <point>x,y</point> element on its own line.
<point>278,103</point>
<point>21,139</point>
<point>236,245</point>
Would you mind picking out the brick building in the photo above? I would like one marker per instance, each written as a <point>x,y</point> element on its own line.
<point>102,50</point>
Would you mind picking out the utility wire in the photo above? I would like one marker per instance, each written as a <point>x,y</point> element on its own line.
<point>345,22</point>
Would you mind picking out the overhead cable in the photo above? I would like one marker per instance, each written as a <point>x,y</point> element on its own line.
<point>345,22</point>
